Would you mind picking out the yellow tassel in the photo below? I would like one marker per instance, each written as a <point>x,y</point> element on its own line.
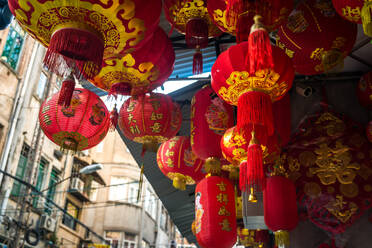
<point>179,182</point>
<point>367,18</point>
<point>212,165</point>
<point>282,238</point>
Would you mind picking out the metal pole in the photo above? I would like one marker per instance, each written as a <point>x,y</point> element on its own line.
<point>140,234</point>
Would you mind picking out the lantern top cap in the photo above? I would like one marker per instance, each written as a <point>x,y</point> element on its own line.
<point>258,25</point>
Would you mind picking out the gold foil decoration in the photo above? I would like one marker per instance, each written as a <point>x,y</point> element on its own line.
<point>340,209</point>
<point>312,189</point>
<point>349,190</point>
<point>307,158</point>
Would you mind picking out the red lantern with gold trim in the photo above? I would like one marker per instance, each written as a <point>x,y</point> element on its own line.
<point>80,33</point>
<point>215,220</point>
<point>364,90</point>
<point>280,208</point>
<point>336,37</point>
<point>79,127</point>
<point>237,18</point>
<point>192,19</point>
<point>177,161</point>
<point>150,119</point>
<point>234,146</point>
<point>254,94</point>
<point>210,118</point>
<point>356,11</point>
<point>138,72</point>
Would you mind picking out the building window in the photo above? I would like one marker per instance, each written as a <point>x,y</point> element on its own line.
<point>69,219</point>
<point>94,191</point>
<point>133,193</point>
<point>164,219</point>
<point>21,169</point>
<point>41,85</point>
<point>40,180</point>
<point>145,244</point>
<point>13,45</point>
<point>120,239</point>
<point>118,188</point>
<point>54,178</point>
<point>150,203</point>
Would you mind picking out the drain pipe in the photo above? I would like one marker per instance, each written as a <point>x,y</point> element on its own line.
<point>18,106</point>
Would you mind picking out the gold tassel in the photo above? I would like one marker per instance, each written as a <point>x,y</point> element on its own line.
<point>367,18</point>
<point>179,182</point>
<point>282,238</point>
<point>212,165</point>
<point>140,185</point>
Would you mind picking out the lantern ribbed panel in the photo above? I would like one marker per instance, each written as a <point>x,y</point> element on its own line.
<point>349,9</point>
<point>86,121</point>
<point>364,90</point>
<point>140,71</point>
<point>274,13</point>
<point>280,206</point>
<point>336,38</point>
<point>176,158</point>
<point>215,217</point>
<point>78,33</point>
<point>210,118</point>
<point>152,118</point>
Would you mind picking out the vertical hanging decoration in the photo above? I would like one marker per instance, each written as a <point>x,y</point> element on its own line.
<point>177,161</point>
<point>215,220</point>
<point>210,118</point>
<point>150,119</point>
<point>190,17</point>
<point>140,71</point>
<point>78,127</point>
<point>236,16</point>
<point>280,208</point>
<point>336,37</point>
<point>364,90</point>
<point>80,33</point>
<point>253,93</point>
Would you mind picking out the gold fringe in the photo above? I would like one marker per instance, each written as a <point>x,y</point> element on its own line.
<point>367,18</point>
<point>282,238</point>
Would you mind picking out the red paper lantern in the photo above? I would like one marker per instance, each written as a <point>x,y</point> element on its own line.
<point>79,127</point>
<point>210,118</point>
<point>356,11</point>
<point>177,161</point>
<point>335,37</point>
<point>192,19</point>
<point>215,220</point>
<point>138,72</point>
<point>280,207</point>
<point>364,90</point>
<point>234,146</point>
<point>150,119</point>
<point>239,21</point>
<point>369,131</point>
<point>79,33</point>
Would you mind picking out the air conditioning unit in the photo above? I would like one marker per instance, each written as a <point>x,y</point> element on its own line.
<point>48,223</point>
<point>77,184</point>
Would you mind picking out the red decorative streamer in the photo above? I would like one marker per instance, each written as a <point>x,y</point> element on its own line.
<point>197,64</point>
<point>66,92</point>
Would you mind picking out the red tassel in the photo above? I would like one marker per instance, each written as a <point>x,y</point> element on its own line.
<point>255,109</point>
<point>251,172</point>
<point>66,92</point>
<point>120,89</point>
<point>197,65</point>
<point>233,9</point>
<point>76,49</point>
<point>114,117</point>
<point>259,55</point>
<point>197,31</point>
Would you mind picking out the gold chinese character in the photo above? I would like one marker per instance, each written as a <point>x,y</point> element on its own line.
<point>289,52</point>
<point>130,119</point>
<point>134,129</point>
<point>280,45</point>
<point>155,116</point>
<point>222,198</point>
<point>131,106</point>
<point>351,14</point>
<point>338,43</point>
<point>156,127</point>
<point>172,144</point>
<point>223,211</point>
<point>169,153</point>
<point>170,162</point>
<point>222,186</point>
<point>225,225</point>
<point>317,54</point>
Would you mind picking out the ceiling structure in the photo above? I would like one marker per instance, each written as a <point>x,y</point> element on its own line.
<point>339,86</point>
